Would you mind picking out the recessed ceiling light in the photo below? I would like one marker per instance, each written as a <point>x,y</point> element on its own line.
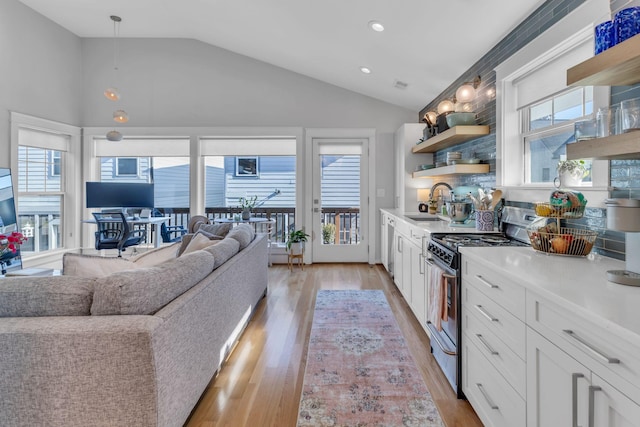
<point>365,70</point>
<point>376,26</point>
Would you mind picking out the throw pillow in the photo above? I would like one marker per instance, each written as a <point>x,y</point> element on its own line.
<point>216,229</point>
<point>45,296</point>
<point>156,256</point>
<point>223,250</point>
<point>243,233</point>
<point>147,290</point>
<point>198,241</point>
<point>93,266</point>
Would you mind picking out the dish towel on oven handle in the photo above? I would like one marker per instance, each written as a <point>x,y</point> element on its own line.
<point>437,311</point>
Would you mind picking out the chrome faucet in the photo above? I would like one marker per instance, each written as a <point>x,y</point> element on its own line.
<point>436,185</point>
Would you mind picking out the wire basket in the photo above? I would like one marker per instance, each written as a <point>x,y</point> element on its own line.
<point>569,241</point>
<point>547,210</point>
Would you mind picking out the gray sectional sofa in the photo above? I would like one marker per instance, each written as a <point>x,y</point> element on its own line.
<point>135,347</point>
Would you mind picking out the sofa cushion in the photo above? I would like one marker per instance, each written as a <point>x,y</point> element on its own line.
<point>220,229</point>
<point>223,250</point>
<point>197,242</point>
<point>243,233</point>
<point>156,256</point>
<point>93,265</point>
<point>45,296</point>
<point>146,290</point>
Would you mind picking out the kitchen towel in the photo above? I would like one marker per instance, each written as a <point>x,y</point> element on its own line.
<point>437,311</point>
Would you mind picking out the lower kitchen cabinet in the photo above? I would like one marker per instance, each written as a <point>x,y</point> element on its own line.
<point>563,392</point>
<point>418,293</point>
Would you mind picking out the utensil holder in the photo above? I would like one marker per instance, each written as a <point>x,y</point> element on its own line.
<point>484,220</point>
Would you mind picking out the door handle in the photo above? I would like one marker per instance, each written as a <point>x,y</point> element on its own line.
<point>574,398</point>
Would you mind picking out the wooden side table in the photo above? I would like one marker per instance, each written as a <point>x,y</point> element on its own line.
<point>299,257</point>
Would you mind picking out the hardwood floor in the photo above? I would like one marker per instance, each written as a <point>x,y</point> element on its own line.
<point>261,382</point>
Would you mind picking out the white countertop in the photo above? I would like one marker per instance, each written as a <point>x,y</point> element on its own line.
<point>577,283</point>
<point>432,226</point>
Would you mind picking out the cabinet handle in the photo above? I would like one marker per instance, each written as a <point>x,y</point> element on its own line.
<point>590,347</point>
<point>574,398</point>
<point>485,313</point>
<point>486,397</point>
<point>424,246</point>
<point>486,344</point>
<point>421,262</point>
<point>399,244</point>
<point>592,398</point>
<point>485,282</point>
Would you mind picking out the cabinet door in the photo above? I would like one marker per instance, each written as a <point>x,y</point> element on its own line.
<point>418,284</point>
<point>406,269</point>
<point>557,386</point>
<point>384,241</point>
<point>612,408</point>
<point>398,255</point>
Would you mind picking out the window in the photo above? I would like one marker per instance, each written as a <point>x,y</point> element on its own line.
<point>126,166</point>
<point>56,158</point>
<point>247,166</point>
<point>548,128</point>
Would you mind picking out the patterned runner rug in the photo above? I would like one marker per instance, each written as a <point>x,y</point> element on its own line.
<point>359,370</point>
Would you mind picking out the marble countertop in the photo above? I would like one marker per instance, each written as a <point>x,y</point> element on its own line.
<point>579,284</point>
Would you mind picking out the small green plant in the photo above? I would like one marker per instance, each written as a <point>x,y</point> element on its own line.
<point>328,233</point>
<point>576,168</point>
<point>296,236</point>
<point>247,202</point>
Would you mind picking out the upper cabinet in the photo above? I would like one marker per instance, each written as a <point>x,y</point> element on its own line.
<point>616,66</point>
<point>451,137</point>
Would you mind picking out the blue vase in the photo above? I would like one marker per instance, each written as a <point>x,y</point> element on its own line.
<point>604,36</point>
<point>626,24</point>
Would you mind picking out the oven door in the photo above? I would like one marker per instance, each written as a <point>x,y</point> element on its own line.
<point>444,343</point>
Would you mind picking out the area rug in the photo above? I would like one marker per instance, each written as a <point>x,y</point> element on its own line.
<point>359,370</point>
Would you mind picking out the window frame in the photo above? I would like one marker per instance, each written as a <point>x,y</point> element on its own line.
<point>122,174</point>
<point>255,159</point>
<point>55,167</point>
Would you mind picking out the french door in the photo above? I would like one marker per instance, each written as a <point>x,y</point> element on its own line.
<point>340,179</point>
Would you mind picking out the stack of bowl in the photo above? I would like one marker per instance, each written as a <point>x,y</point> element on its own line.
<point>453,155</point>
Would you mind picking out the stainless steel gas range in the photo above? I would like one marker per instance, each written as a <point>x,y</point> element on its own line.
<point>444,263</point>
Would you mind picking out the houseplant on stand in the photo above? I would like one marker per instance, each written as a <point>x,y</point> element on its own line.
<point>247,204</point>
<point>295,242</point>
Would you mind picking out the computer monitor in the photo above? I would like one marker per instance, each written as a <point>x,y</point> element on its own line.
<point>119,195</point>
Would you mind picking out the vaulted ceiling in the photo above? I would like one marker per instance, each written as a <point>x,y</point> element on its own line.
<point>426,44</point>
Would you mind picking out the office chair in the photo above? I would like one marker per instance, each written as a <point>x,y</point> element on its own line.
<point>114,232</point>
<point>169,233</point>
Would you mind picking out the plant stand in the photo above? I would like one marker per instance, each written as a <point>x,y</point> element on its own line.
<point>291,257</point>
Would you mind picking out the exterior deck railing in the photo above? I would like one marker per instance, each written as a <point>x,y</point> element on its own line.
<point>346,220</point>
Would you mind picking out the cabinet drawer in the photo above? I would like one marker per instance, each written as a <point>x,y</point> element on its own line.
<point>587,342</point>
<point>493,399</point>
<point>500,289</point>
<point>495,318</point>
<point>505,360</point>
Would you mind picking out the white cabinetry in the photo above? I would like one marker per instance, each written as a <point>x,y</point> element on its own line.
<point>493,345</point>
<point>406,138</point>
<point>566,371</point>
<point>418,301</point>
<point>386,231</point>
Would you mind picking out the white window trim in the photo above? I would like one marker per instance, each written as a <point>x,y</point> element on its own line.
<point>72,184</point>
<point>510,161</point>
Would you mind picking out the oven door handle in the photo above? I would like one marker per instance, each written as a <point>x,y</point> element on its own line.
<point>435,335</point>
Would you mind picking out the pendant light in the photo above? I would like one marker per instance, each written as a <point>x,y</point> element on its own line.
<point>445,105</point>
<point>112,93</point>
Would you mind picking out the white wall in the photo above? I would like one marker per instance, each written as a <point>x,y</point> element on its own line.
<point>40,70</point>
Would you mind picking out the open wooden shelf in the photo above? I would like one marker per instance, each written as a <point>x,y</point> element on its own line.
<point>451,137</point>
<point>452,170</point>
<point>616,66</point>
<point>614,147</point>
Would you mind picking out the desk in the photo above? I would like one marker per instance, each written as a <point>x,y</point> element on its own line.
<point>154,220</point>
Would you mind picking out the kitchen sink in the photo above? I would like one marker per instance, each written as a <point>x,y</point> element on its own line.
<point>425,218</point>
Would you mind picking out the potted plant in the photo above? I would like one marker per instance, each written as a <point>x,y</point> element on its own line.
<point>295,241</point>
<point>328,234</point>
<point>247,204</point>
<point>571,172</point>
